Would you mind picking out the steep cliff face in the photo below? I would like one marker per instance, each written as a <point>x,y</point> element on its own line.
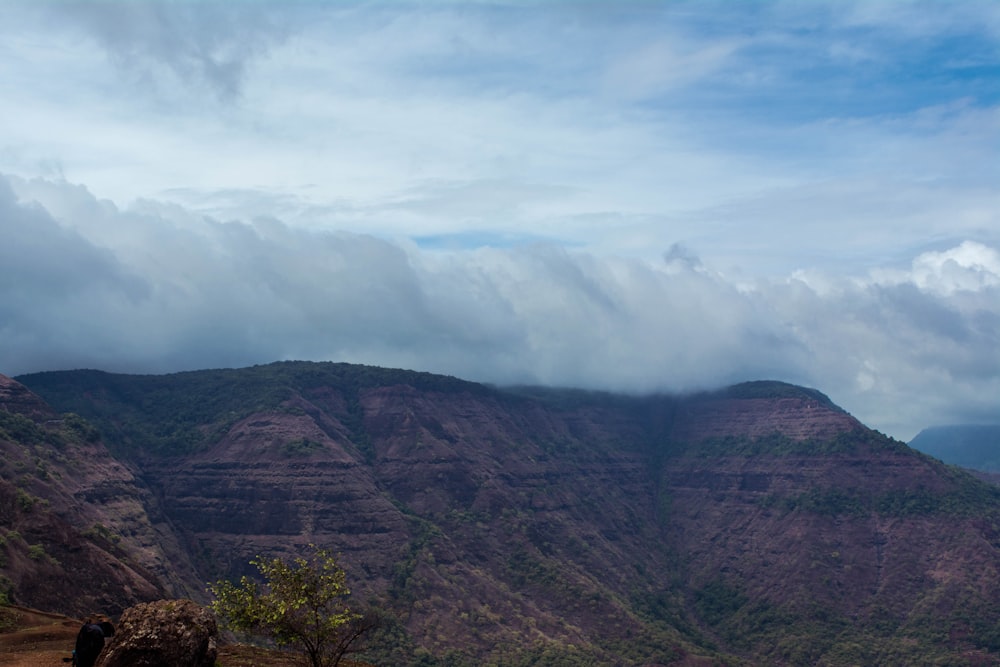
<point>761,522</point>
<point>799,418</point>
<point>75,532</point>
<point>451,508</point>
<point>531,520</point>
<point>872,540</point>
<point>274,483</point>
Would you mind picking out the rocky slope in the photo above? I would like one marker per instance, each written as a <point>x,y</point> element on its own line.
<point>759,524</point>
<point>65,502</point>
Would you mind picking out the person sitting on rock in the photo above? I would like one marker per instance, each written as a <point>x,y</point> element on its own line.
<point>90,641</point>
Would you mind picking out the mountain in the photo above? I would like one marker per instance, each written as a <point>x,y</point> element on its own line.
<point>758,525</point>
<point>975,446</point>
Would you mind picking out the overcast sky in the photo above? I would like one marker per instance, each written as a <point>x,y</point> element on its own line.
<point>629,196</point>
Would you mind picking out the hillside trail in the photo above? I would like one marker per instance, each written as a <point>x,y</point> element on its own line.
<point>32,638</point>
<point>34,658</point>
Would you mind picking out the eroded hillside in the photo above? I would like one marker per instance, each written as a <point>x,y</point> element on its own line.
<point>65,504</point>
<point>759,524</point>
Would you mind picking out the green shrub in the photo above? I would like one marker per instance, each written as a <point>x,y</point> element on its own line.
<point>25,501</point>
<point>9,618</point>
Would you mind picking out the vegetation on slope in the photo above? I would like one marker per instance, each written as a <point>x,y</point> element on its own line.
<point>760,559</point>
<point>180,413</point>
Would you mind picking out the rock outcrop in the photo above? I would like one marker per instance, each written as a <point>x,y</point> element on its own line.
<point>166,633</point>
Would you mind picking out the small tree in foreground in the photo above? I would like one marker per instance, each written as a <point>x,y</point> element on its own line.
<point>301,604</point>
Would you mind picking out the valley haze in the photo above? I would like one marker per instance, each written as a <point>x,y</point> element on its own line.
<point>635,197</point>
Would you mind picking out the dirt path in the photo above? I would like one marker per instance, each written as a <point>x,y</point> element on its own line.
<point>45,645</point>
<point>34,659</point>
<point>36,639</point>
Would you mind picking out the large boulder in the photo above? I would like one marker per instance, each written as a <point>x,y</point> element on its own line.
<point>167,633</point>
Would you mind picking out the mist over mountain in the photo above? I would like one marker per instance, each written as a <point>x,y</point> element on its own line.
<point>756,525</point>
<point>649,197</point>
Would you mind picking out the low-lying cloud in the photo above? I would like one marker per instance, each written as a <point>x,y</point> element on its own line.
<point>157,288</point>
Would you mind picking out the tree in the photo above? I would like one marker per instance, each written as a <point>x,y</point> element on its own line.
<point>302,604</point>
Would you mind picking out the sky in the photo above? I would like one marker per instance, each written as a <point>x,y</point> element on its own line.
<point>627,196</point>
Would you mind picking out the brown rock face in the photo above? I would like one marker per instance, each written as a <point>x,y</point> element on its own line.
<point>66,505</point>
<point>761,521</point>
<point>799,418</point>
<point>167,633</point>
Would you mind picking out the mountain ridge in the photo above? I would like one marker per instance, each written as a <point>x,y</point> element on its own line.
<point>759,524</point>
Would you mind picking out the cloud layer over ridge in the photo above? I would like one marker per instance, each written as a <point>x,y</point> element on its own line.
<point>624,195</point>
<point>156,288</point>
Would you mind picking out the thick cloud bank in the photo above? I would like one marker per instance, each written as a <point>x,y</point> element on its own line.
<point>157,288</point>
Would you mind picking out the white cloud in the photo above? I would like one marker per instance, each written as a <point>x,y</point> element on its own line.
<point>347,113</point>
<point>969,267</point>
<point>622,195</point>
<point>157,287</point>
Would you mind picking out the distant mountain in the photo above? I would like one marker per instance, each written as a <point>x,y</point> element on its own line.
<point>757,525</point>
<point>970,445</point>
